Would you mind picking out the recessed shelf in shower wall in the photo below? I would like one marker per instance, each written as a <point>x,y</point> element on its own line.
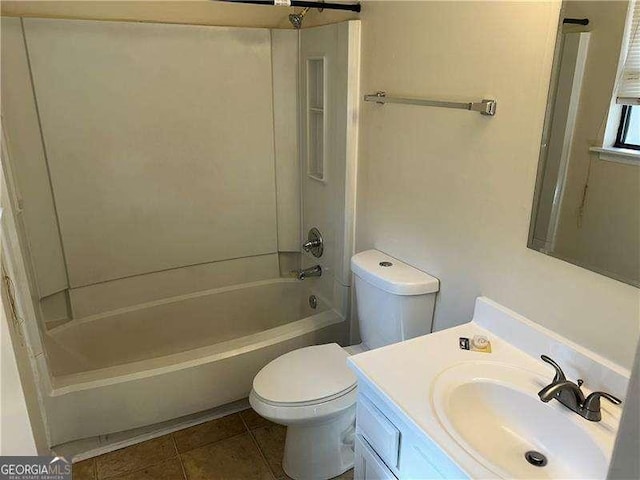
<point>315,118</point>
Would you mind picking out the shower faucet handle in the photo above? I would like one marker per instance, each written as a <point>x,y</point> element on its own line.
<point>309,244</point>
<point>314,243</point>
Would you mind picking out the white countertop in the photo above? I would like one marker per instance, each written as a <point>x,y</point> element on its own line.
<point>404,374</point>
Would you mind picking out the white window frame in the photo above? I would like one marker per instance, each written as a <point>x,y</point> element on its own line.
<point>607,151</point>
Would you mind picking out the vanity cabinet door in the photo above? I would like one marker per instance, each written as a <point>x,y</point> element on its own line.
<point>378,431</point>
<point>367,464</point>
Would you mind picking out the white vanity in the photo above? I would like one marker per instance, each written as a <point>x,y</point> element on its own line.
<point>429,409</point>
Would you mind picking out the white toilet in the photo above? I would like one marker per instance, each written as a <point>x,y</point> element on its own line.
<point>313,392</point>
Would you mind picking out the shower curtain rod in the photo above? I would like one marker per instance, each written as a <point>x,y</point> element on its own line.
<point>576,21</point>
<point>353,7</point>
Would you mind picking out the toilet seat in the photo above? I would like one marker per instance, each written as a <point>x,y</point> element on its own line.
<point>305,377</point>
<point>310,403</point>
<point>289,414</point>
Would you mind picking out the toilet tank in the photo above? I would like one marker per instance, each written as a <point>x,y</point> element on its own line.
<point>395,301</point>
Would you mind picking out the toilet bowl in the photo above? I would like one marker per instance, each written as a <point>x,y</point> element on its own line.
<point>312,391</point>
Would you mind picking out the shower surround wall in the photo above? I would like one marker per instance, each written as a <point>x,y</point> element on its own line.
<point>329,99</point>
<point>158,186</point>
<point>146,207</point>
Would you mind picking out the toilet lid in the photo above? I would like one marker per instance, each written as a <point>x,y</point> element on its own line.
<point>306,375</point>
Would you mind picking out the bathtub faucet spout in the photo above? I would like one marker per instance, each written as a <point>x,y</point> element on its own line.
<point>315,271</point>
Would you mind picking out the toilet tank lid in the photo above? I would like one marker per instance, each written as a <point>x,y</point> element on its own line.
<point>397,278</point>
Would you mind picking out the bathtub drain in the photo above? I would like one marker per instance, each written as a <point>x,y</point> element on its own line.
<point>536,459</point>
<point>313,301</point>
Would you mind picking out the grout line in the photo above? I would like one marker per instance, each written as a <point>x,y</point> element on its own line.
<point>131,472</point>
<point>244,423</point>
<point>175,445</point>
<point>178,454</point>
<point>260,452</point>
<point>215,442</point>
<point>208,443</point>
<point>173,442</point>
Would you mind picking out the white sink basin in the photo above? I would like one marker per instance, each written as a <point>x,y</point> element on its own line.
<point>493,412</point>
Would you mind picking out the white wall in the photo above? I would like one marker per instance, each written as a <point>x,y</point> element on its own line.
<point>159,143</point>
<point>16,436</point>
<point>36,213</point>
<point>144,198</point>
<point>198,12</point>
<point>451,191</point>
<point>146,195</point>
<point>284,54</point>
<point>31,170</point>
<point>22,429</point>
<point>625,463</point>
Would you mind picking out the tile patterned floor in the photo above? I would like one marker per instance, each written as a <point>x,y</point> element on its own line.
<point>239,446</point>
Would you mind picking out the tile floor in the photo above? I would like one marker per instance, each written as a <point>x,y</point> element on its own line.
<point>239,446</point>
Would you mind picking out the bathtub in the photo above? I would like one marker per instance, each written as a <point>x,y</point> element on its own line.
<point>165,359</point>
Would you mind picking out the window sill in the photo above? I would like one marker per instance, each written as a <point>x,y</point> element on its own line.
<point>619,155</point>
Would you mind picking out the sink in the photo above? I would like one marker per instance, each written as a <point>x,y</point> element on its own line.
<point>493,412</point>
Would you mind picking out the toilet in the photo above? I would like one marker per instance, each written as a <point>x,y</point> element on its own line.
<point>313,392</point>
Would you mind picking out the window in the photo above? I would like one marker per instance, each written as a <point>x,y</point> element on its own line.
<point>628,92</point>
<point>629,130</point>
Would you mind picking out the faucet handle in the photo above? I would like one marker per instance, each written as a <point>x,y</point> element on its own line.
<point>314,243</point>
<point>590,408</point>
<point>560,377</point>
<point>592,402</point>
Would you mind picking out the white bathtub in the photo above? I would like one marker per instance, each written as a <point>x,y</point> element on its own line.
<point>165,359</point>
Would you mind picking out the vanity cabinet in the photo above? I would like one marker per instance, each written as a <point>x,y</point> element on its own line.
<point>428,409</point>
<point>388,447</point>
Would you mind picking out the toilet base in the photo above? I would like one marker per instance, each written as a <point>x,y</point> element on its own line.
<point>320,451</point>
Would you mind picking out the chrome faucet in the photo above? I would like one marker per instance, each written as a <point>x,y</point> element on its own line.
<point>315,271</point>
<point>314,243</point>
<point>570,395</point>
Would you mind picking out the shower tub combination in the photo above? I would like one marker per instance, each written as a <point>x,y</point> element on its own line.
<point>148,363</point>
<point>165,359</point>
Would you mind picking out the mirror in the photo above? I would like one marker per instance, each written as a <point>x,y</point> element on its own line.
<point>587,200</point>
